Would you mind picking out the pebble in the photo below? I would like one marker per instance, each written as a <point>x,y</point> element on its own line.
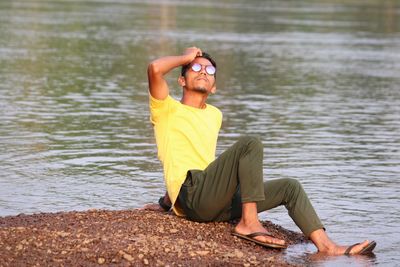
<point>62,234</point>
<point>101,260</point>
<point>127,257</point>
<point>202,252</point>
<point>145,261</point>
<point>238,254</point>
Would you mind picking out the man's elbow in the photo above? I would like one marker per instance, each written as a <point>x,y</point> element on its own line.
<point>153,69</point>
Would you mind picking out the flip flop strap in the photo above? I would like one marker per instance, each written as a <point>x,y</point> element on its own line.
<point>347,252</point>
<point>252,235</point>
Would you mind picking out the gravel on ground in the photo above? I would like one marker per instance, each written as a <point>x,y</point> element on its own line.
<point>130,238</point>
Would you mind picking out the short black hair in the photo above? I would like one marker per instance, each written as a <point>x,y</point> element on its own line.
<point>204,55</point>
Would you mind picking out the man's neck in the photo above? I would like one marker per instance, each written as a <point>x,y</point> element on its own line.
<point>195,100</point>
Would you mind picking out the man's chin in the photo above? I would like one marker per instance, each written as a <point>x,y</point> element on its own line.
<point>202,90</point>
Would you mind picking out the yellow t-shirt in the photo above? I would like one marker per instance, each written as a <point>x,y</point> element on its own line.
<point>186,139</point>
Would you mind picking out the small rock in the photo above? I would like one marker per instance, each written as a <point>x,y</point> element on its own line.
<point>202,252</point>
<point>272,258</point>
<point>173,230</point>
<point>140,256</point>
<point>101,260</point>
<point>238,254</point>
<point>145,261</point>
<point>62,234</point>
<point>127,257</point>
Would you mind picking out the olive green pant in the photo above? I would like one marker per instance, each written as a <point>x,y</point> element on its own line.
<point>236,177</point>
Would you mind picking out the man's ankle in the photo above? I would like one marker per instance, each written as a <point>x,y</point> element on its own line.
<point>249,222</point>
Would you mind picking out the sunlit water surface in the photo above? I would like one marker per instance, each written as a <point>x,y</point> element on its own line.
<point>318,81</point>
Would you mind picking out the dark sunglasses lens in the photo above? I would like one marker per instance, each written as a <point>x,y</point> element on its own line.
<point>196,67</point>
<point>210,70</point>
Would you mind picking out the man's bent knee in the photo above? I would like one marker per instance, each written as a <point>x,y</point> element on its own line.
<point>250,141</point>
<point>292,185</point>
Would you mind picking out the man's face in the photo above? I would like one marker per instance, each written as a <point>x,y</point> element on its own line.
<point>200,81</point>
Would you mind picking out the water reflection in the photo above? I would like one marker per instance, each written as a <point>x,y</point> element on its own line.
<point>317,81</point>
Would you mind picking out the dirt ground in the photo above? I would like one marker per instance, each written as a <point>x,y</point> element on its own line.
<point>129,238</point>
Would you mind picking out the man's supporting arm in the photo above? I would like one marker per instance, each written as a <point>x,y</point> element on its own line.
<point>158,68</point>
<point>165,202</point>
<point>165,205</point>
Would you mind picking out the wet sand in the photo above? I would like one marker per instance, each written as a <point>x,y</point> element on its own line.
<point>130,238</point>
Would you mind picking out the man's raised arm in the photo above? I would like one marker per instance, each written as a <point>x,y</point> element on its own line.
<point>158,68</point>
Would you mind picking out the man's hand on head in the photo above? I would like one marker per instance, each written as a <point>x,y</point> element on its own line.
<point>192,53</point>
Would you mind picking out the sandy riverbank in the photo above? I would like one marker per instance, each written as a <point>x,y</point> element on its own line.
<point>129,237</point>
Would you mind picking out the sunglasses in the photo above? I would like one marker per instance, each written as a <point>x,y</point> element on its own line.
<point>210,69</point>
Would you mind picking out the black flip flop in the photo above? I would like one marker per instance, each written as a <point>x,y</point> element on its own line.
<point>251,237</point>
<point>365,251</point>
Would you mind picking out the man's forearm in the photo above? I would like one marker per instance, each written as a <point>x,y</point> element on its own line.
<point>164,65</point>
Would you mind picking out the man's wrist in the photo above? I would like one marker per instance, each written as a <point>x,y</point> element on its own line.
<point>162,204</point>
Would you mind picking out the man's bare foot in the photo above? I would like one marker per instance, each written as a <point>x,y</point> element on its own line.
<point>254,227</point>
<point>340,250</point>
<point>325,245</point>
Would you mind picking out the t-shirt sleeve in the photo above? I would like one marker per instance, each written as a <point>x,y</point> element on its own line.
<point>158,108</point>
<point>220,119</point>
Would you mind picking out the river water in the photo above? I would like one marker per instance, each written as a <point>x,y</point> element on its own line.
<point>318,81</point>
